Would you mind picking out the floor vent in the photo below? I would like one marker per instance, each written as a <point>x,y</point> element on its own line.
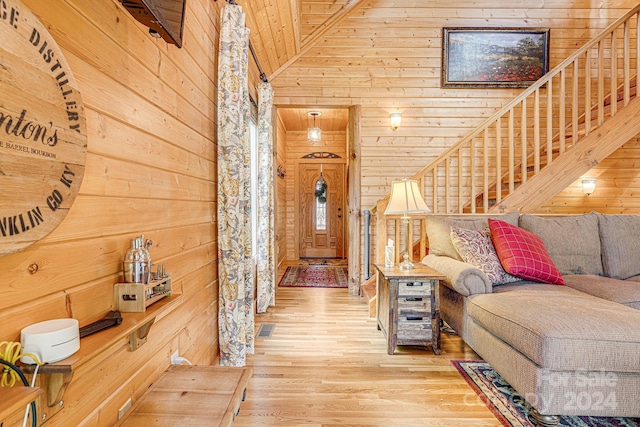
<point>266,330</point>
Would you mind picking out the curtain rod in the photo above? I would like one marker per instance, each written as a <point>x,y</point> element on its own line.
<point>263,76</point>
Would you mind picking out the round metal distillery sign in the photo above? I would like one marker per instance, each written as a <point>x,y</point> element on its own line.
<point>43,137</point>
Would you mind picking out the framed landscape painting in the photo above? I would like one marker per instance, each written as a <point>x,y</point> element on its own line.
<point>493,57</point>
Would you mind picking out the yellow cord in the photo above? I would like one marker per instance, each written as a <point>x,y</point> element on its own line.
<point>10,352</point>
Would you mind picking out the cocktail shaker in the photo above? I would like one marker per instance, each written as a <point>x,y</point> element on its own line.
<point>137,262</point>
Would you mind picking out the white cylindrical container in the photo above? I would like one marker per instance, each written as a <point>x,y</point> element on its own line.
<point>50,341</point>
<point>388,256</point>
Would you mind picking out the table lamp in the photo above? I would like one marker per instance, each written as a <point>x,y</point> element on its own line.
<point>406,199</point>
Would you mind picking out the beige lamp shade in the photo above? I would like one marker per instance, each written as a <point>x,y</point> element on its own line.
<point>406,199</point>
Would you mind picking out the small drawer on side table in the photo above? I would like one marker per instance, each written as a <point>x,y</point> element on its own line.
<point>414,303</point>
<point>414,288</point>
<point>414,328</point>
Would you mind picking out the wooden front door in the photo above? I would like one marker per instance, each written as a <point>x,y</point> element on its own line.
<point>321,210</point>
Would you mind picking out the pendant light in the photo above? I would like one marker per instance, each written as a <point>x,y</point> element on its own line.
<point>314,134</point>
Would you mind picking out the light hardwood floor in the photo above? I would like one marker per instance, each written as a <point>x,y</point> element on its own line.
<point>326,365</point>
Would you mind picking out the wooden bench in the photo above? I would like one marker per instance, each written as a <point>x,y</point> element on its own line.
<point>191,396</point>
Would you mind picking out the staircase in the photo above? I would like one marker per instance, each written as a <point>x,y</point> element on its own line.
<point>540,142</point>
<point>491,195</point>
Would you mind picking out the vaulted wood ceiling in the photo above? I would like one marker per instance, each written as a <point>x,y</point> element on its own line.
<point>282,30</point>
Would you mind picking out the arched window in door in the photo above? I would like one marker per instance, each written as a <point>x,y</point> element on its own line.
<point>321,203</point>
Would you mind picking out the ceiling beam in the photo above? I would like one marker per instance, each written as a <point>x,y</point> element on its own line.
<point>295,20</point>
<point>347,9</point>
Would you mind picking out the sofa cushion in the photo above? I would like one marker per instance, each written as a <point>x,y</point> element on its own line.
<point>439,230</point>
<point>476,248</point>
<point>523,254</point>
<point>625,292</point>
<point>619,237</point>
<point>560,328</point>
<point>573,242</point>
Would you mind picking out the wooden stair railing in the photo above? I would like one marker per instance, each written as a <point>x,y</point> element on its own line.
<point>555,147</point>
<point>543,123</point>
<point>593,148</point>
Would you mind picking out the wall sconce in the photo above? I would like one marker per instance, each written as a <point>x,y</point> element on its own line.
<point>588,185</point>
<point>281,172</point>
<point>396,120</point>
<point>314,134</point>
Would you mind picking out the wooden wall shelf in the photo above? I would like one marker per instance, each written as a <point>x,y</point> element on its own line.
<point>93,348</point>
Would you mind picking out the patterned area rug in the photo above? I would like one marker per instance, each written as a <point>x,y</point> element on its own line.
<point>509,407</point>
<point>323,261</point>
<point>315,276</point>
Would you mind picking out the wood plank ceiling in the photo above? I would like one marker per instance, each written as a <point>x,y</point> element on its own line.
<point>282,30</point>
<point>329,120</point>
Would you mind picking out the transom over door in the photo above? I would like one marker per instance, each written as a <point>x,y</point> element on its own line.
<point>321,210</point>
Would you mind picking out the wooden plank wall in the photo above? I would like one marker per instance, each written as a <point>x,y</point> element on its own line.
<point>617,186</point>
<point>314,14</point>
<point>151,169</point>
<point>298,146</point>
<point>386,57</point>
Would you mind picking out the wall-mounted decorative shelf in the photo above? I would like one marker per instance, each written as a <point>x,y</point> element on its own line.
<point>55,377</point>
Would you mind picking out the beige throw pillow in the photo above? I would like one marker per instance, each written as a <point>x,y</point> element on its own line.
<point>439,230</point>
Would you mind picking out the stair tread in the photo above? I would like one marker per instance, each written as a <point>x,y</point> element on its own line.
<point>368,290</point>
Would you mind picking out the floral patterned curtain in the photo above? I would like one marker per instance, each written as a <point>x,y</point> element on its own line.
<point>266,234</point>
<point>236,299</point>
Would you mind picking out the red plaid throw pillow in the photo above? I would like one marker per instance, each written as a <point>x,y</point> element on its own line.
<point>523,254</point>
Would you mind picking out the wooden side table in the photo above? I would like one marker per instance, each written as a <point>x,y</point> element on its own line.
<point>409,306</point>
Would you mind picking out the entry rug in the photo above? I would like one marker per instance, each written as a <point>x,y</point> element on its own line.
<point>323,261</point>
<point>509,407</point>
<point>315,276</point>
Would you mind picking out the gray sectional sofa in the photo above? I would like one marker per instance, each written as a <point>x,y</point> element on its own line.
<point>568,350</point>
